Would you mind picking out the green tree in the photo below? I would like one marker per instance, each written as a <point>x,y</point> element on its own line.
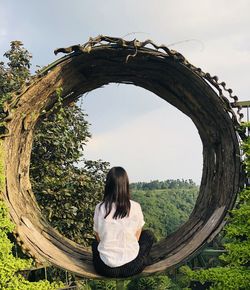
<point>10,279</point>
<point>165,209</point>
<point>152,283</point>
<point>102,284</point>
<point>65,192</point>
<point>13,75</point>
<point>17,71</point>
<point>235,274</point>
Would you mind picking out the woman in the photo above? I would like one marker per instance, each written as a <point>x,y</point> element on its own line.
<point>121,247</point>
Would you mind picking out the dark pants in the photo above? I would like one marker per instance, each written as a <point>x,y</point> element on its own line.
<point>134,267</point>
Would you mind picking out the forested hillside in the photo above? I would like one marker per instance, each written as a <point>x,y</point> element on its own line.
<point>165,204</point>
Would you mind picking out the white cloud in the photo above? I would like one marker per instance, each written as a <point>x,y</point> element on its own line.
<point>161,144</point>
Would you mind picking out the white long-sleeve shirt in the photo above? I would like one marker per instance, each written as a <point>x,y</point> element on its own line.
<point>118,243</point>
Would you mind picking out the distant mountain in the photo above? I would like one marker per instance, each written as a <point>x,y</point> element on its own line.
<point>165,204</point>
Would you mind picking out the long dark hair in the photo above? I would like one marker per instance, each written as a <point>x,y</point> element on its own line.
<point>117,191</point>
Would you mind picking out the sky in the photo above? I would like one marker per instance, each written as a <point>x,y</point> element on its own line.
<point>130,126</point>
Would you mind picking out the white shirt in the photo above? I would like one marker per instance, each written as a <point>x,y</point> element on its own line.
<point>118,243</point>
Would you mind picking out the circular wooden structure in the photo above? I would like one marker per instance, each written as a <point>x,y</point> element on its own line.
<point>162,71</point>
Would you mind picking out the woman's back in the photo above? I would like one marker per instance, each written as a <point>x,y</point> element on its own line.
<point>118,223</point>
<point>118,243</point>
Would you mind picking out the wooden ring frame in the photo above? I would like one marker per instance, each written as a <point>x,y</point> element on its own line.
<point>170,78</point>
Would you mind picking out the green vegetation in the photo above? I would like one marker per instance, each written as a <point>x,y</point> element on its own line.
<point>17,71</point>
<point>159,282</point>
<point>152,283</point>
<point>10,265</point>
<point>56,180</point>
<point>165,209</point>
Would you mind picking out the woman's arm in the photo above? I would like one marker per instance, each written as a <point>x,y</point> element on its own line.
<point>140,221</point>
<point>97,237</point>
<point>137,234</point>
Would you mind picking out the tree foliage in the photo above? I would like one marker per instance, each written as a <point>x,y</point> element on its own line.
<point>102,284</point>
<point>65,192</point>
<point>166,209</point>
<point>10,265</point>
<point>152,283</point>
<point>235,274</point>
<point>17,71</point>
<point>14,74</point>
<point>166,184</point>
